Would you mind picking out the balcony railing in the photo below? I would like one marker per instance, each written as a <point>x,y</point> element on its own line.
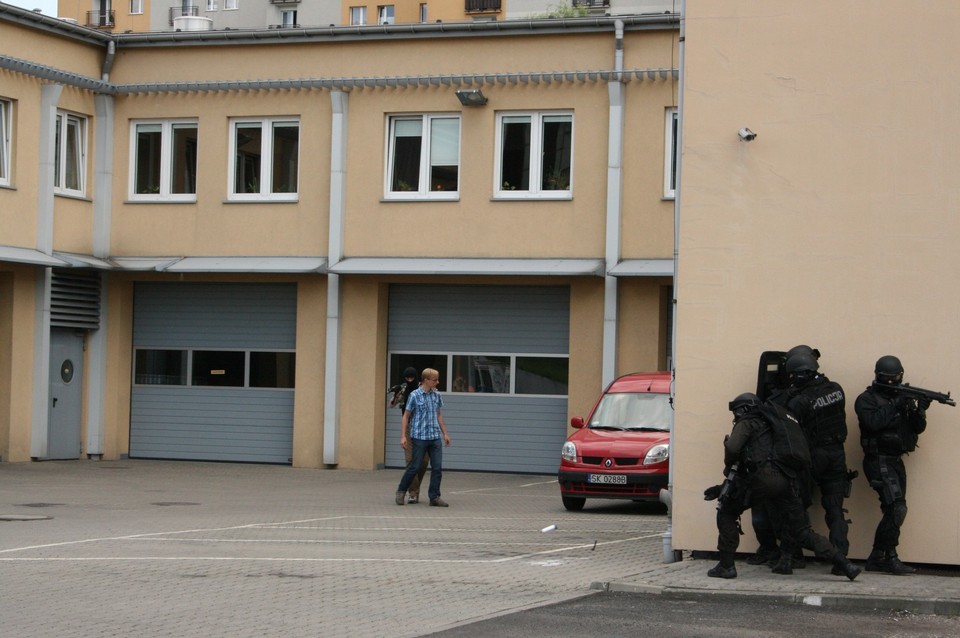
<point>101,19</point>
<point>180,11</point>
<point>284,1</point>
<point>477,6</point>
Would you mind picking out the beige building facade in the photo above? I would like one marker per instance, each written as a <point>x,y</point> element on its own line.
<point>835,227</point>
<point>228,249</point>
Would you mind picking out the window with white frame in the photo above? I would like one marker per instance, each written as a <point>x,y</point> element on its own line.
<point>423,157</point>
<point>6,144</point>
<point>670,155</point>
<point>423,12</point>
<point>136,7</point>
<point>534,155</point>
<point>265,158</point>
<point>164,157</point>
<point>385,14</point>
<point>358,15</point>
<point>70,154</point>
<point>231,5</point>
<point>288,18</point>
<point>212,5</point>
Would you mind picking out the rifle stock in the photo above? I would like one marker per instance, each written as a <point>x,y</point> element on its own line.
<point>918,393</point>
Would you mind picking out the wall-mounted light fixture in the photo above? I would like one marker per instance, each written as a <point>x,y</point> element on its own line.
<point>471,97</point>
<point>746,135</point>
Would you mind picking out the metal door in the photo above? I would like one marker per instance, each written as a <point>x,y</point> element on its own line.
<point>66,394</point>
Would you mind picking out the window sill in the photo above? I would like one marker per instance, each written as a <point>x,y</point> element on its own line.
<point>159,201</point>
<point>420,199</point>
<point>8,187</point>
<point>77,196</point>
<point>532,198</point>
<point>262,201</point>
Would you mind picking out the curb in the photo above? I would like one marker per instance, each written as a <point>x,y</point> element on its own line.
<point>854,602</point>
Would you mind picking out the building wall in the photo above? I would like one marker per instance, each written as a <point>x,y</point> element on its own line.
<point>832,228</point>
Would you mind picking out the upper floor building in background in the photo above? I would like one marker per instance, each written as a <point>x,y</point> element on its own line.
<point>199,15</point>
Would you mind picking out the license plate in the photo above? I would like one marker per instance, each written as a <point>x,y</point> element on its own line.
<point>616,479</point>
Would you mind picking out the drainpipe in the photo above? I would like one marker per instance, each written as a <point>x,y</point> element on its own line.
<point>338,176</point>
<point>614,210</point>
<point>96,382</point>
<point>49,98</point>
<point>671,555</point>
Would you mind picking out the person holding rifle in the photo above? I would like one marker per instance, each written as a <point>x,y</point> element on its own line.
<point>892,416</point>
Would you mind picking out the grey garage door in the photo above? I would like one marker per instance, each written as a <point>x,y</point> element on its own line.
<point>214,372</point>
<point>502,352</point>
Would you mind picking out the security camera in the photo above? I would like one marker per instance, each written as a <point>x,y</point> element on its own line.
<point>746,135</point>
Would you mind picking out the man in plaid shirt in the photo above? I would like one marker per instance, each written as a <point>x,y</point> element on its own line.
<point>423,422</point>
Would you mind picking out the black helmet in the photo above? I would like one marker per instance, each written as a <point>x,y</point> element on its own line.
<point>801,368</point>
<point>813,352</point>
<point>410,372</point>
<point>744,403</point>
<point>889,370</point>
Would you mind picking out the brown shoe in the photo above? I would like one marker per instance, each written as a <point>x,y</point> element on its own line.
<point>438,502</point>
<point>400,496</point>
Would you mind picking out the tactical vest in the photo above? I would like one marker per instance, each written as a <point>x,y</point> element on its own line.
<point>825,419</point>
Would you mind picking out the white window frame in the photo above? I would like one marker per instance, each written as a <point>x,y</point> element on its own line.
<point>6,140</point>
<point>382,14</point>
<point>212,5</point>
<point>500,189</point>
<point>266,155</point>
<point>670,153</point>
<point>423,12</point>
<point>358,15</point>
<point>424,190</point>
<point>231,5</point>
<point>136,7</point>
<point>166,162</point>
<point>63,122</point>
<point>288,18</point>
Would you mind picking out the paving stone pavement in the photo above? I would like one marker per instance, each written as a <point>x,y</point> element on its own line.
<point>155,548</point>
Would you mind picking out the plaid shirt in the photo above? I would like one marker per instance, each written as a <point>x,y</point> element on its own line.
<point>423,408</point>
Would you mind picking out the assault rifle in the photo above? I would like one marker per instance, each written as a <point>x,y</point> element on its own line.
<point>729,484</point>
<point>917,393</point>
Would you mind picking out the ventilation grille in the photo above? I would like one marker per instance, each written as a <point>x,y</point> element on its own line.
<point>75,299</point>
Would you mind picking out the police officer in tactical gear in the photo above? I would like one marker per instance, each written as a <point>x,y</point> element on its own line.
<point>820,406</point>
<point>889,427</point>
<point>769,551</point>
<point>759,477</point>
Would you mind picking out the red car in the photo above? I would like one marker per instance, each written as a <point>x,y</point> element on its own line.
<point>623,449</point>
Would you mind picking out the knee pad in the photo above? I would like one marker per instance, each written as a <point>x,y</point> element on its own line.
<point>899,512</point>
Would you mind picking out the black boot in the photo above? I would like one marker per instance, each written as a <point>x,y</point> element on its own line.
<point>847,568</point>
<point>722,571</point>
<point>763,556</point>
<point>876,561</point>
<point>784,565</point>
<point>896,567</point>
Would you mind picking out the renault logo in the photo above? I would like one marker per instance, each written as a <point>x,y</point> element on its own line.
<point>607,463</point>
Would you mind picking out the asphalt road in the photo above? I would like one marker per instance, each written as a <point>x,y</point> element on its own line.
<point>606,615</point>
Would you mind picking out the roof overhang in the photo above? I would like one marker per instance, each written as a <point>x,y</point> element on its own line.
<point>443,266</point>
<point>643,268</point>
<point>247,264</point>
<point>29,256</point>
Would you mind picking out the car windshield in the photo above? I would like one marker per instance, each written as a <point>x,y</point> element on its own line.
<point>633,411</point>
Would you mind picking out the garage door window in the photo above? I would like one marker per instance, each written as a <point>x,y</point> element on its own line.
<point>490,373</point>
<point>223,368</point>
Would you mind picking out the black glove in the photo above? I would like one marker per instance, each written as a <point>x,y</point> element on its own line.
<point>904,403</point>
<point>712,493</point>
<point>923,403</point>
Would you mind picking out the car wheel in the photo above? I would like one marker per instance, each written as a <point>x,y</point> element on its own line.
<point>573,503</point>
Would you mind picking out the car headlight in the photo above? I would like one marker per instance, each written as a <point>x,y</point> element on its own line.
<point>657,454</point>
<point>569,452</point>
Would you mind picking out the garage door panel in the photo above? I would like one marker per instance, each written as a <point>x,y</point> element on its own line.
<point>213,423</point>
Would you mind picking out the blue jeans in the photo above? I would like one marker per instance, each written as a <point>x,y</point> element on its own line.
<point>434,448</point>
